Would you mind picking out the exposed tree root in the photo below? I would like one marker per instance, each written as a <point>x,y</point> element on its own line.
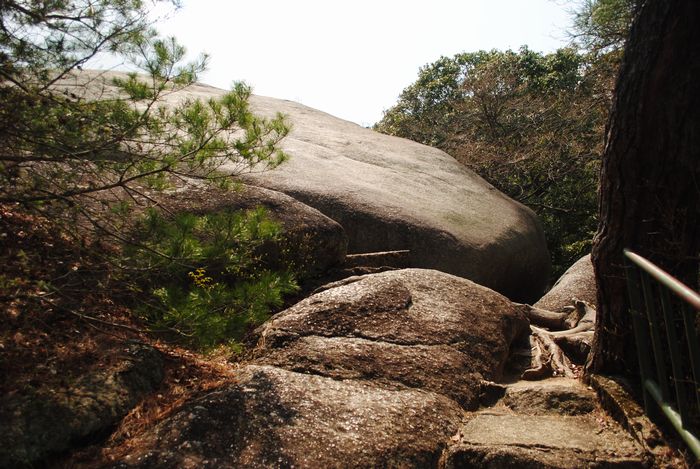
<point>576,346</point>
<point>552,352</point>
<point>586,313</point>
<point>548,358</point>
<point>548,319</point>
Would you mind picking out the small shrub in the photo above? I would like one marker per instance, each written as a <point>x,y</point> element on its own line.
<point>210,277</point>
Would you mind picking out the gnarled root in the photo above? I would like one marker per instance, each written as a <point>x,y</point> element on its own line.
<point>576,346</point>
<point>549,319</point>
<point>552,352</point>
<point>548,359</point>
<point>586,313</point>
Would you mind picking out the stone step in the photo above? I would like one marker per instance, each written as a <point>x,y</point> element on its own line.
<point>553,423</point>
<point>553,396</point>
<point>493,439</point>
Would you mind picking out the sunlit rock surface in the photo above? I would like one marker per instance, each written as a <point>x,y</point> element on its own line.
<point>390,193</point>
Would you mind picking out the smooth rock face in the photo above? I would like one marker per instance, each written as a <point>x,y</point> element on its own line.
<point>390,193</point>
<point>577,282</point>
<point>276,418</point>
<point>413,327</point>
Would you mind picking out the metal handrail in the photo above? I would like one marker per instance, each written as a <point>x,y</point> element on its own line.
<point>649,322</point>
<point>666,279</point>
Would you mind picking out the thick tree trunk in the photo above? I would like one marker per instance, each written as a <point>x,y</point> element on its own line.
<point>650,180</point>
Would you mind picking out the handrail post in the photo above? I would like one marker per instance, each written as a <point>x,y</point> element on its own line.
<point>656,344</point>
<point>676,362</point>
<point>641,329</point>
<point>693,347</point>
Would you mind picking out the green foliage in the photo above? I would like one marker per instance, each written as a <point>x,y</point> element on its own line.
<point>210,277</point>
<point>63,145</point>
<point>91,158</point>
<point>602,26</point>
<point>425,108</point>
<point>531,124</point>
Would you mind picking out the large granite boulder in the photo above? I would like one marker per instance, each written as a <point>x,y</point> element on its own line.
<point>578,282</point>
<point>390,193</point>
<point>372,371</point>
<point>411,328</point>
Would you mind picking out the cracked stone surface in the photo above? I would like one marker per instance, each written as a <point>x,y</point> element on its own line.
<point>413,327</point>
<point>553,423</point>
<point>388,370</point>
<point>560,396</point>
<point>437,368</point>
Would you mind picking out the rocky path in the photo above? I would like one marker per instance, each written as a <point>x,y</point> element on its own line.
<point>386,368</point>
<point>394,369</point>
<point>552,423</point>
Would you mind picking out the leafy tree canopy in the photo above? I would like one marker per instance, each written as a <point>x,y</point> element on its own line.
<point>602,26</point>
<point>532,124</point>
<point>529,123</point>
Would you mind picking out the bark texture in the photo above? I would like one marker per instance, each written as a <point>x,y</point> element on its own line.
<point>650,177</point>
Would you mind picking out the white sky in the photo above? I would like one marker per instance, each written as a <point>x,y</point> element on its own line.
<point>352,59</point>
